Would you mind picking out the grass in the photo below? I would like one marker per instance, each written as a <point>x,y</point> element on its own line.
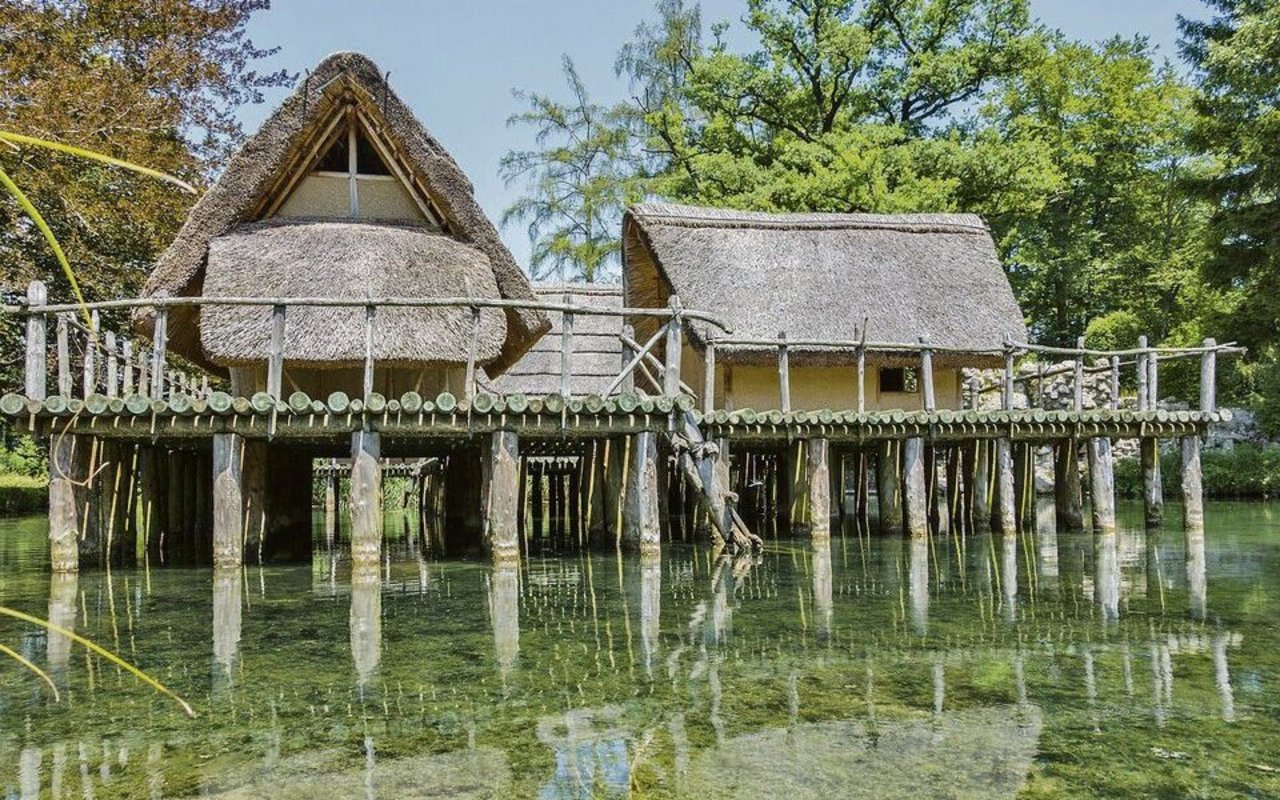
<point>22,494</point>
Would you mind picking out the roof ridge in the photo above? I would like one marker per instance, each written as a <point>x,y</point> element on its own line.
<point>707,216</point>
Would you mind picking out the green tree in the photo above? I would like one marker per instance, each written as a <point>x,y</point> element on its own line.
<point>579,179</point>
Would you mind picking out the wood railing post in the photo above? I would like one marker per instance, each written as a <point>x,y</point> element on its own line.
<point>628,381</point>
<point>784,373</point>
<point>370,312</point>
<point>113,373</point>
<point>709,376</point>
<point>275,355</point>
<point>64,355</point>
<point>862,379</point>
<point>469,387</point>
<point>926,376</point>
<point>1007,395</point>
<point>671,372</point>
<point>566,350</point>
<point>126,357</point>
<point>1078,383</point>
<point>1141,360</point>
<point>1115,383</point>
<point>90,380</point>
<point>37,342</point>
<point>1208,376</point>
<point>160,337</point>
<point>1153,381</point>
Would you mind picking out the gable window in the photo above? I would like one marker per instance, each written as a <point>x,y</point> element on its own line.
<point>899,379</point>
<point>352,178</point>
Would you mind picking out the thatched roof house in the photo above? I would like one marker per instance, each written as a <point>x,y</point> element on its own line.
<point>820,276</point>
<point>343,193</point>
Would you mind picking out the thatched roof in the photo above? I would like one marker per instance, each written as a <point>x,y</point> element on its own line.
<point>597,350</point>
<point>819,276</point>
<point>279,258</point>
<point>263,165</point>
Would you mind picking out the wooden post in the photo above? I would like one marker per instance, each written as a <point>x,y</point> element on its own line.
<point>1152,482</point>
<point>862,380</point>
<point>1143,373</point>
<point>1102,486</point>
<point>641,526</point>
<point>90,381</point>
<point>228,500</point>
<point>37,344</point>
<point>671,370</point>
<point>1066,486</point>
<point>159,341</point>
<point>818,477</point>
<point>628,383</point>
<point>1115,383</point>
<point>1208,377</point>
<point>1008,513</point>
<point>566,351</point>
<point>70,515</point>
<point>126,358</point>
<point>1153,381</point>
<point>709,376</point>
<point>980,495</point>
<point>784,373</point>
<point>914,488</point>
<point>1007,397</point>
<point>370,311</point>
<point>1192,485</point>
<point>1078,384</point>
<point>64,355</point>
<point>275,356</point>
<point>926,376</point>
<point>366,496</point>
<point>797,488</point>
<point>112,362</point>
<point>502,514</point>
<point>889,487</point>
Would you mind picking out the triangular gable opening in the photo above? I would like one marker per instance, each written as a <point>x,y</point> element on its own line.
<point>348,173</point>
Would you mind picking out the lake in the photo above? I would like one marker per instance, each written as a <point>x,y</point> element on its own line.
<point>980,666</point>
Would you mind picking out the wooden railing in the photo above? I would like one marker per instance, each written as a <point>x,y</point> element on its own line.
<point>114,365</point>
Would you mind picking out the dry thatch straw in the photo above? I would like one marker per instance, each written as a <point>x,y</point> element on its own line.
<point>342,83</point>
<point>288,258</point>
<point>819,276</point>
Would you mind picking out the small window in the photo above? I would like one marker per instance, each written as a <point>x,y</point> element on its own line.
<point>368,161</point>
<point>898,379</point>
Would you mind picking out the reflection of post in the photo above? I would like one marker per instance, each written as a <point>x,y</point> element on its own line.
<point>1106,578</point>
<point>823,608</point>
<point>29,773</point>
<point>331,504</point>
<point>504,615</point>
<point>1009,572</point>
<point>1197,580</point>
<point>649,589</point>
<point>918,573</point>
<point>227,590</point>
<point>63,590</point>
<point>1222,676</point>
<point>366,620</point>
<point>1047,543</point>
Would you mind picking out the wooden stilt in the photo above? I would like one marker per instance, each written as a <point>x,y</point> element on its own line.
<point>818,484</point>
<point>1007,517</point>
<point>914,487</point>
<point>366,497</point>
<point>1152,482</point>
<point>503,510</point>
<point>797,488</point>
<point>980,495</point>
<point>641,529</point>
<point>1102,488</point>
<point>1192,485</point>
<point>889,487</point>
<point>69,511</point>
<point>1066,486</point>
<point>228,500</point>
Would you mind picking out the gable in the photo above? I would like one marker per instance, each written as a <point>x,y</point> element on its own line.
<point>348,171</point>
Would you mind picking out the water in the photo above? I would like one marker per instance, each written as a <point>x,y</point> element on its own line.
<point>1037,666</point>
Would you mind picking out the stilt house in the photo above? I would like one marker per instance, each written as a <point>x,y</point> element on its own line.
<point>839,279</point>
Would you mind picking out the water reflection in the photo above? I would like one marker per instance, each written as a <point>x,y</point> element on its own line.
<point>823,606</point>
<point>504,613</point>
<point>227,600</point>
<point>63,607</point>
<point>1106,579</point>
<point>366,621</point>
<point>1197,580</point>
<point>918,581</point>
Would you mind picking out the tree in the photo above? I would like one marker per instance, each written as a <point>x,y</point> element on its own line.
<point>153,81</point>
<point>579,180</point>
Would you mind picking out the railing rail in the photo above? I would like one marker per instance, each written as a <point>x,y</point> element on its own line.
<point>116,366</point>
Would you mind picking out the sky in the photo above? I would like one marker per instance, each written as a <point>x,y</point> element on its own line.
<point>456,62</point>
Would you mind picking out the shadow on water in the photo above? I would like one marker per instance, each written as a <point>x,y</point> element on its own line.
<point>1043,663</point>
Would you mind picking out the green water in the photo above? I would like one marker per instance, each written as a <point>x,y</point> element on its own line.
<point>1036,666</point>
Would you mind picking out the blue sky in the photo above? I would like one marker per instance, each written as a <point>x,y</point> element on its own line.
<point>455,62</point>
